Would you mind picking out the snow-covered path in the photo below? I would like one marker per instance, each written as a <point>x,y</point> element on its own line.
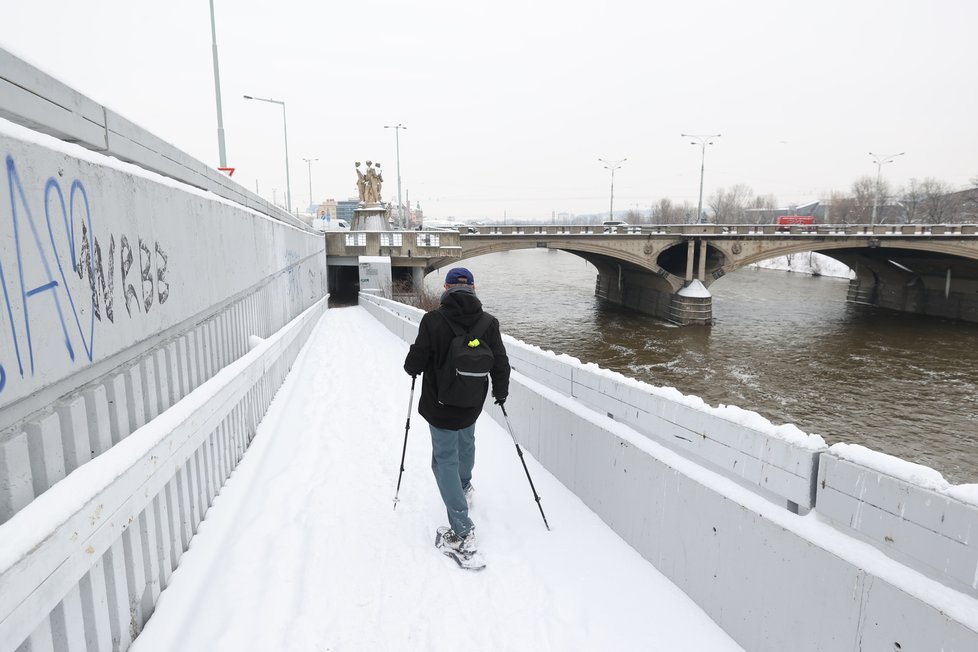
<point>303,551</point>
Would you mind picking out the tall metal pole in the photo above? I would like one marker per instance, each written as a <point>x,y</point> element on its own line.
<point>880,162</point>
<point>309,162</point>
<point>612,165</point>
<point>288,181</point>
<point>217,92</point>
<point>702,141</point>
<point>285,124</point>
<point>397,144</point>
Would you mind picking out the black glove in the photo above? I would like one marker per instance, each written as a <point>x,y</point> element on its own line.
<point>500,400</point>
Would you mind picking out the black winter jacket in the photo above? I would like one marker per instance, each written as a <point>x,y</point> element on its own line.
<point>429,350</point>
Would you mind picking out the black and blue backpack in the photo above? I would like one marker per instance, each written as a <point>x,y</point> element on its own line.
<point>463,378</point>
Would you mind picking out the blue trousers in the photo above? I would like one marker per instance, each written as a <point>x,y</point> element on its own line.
<point>452,459</point>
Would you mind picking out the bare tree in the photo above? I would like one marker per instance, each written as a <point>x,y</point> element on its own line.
<point>912,199</point>
<point>729,206</point>
<point>666,212</point>
<point>760,208</point>
<point>969,207</point>
<point>633,216</point>
<point>939,203</point>
<point>864,194</point>
<point>842,209</point>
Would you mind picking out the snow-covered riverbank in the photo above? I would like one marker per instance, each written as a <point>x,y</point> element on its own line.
<point>807,263</point>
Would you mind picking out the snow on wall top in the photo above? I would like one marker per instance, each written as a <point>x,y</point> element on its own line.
<point>910,472</point>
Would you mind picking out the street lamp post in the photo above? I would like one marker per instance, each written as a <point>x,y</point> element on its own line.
<point>309,163</point>
<point>285,124</point>
<point>880,162</point>
<point>397,144</point>
<point>217,91</point>
<point>702,141</point>
<point>612,165</point>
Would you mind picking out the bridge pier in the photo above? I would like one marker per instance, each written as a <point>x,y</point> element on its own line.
<point>945,288</point>
<point>654,294</point>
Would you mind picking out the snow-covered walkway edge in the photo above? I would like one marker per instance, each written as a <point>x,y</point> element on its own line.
<point>303,550</point>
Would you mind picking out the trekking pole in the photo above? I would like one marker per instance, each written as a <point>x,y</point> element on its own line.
<point>407,427</point>
<point>520,453</point>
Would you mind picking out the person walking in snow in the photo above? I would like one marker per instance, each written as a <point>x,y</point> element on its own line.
<point>453,426</point>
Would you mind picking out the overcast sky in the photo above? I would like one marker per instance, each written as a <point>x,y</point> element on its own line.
<point>510,104</point>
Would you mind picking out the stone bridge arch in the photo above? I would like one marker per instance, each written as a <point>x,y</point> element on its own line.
<point>667,270</point>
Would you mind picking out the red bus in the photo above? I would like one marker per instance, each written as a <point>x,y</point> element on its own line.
<point>785,222</point>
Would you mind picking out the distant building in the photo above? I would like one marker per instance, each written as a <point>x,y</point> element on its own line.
<point>327,210</point>
<point>345,208</point>
<point>414,216</point>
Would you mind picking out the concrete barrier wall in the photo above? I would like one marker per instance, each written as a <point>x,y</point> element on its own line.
<point>82,566</point>
<point>906,510</point>
<point>97,256</point>
<point>773,579</point>
<point>130,296</point>
<point>120,292</point>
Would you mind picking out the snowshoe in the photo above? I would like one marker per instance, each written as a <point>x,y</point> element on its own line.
<point>460,549</point>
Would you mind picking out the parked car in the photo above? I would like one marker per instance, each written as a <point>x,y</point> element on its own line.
<point>612,226</point>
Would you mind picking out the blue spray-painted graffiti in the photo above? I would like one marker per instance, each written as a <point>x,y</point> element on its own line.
<point>44,293</point>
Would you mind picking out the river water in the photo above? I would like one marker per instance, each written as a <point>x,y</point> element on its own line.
<point>785,345</point>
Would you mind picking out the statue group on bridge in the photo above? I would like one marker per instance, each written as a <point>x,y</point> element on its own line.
<point>369,183</point>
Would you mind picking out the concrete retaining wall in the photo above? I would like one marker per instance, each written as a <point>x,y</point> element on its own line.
<point>130,380</point>
<point>120,290</point>
<point>923,527</point>
<point>773,579</point>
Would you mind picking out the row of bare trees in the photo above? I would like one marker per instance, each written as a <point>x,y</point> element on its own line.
<point>735,205</point>
<point>926,201</point>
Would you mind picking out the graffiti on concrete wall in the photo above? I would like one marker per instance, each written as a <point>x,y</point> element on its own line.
<point>294,278</point>
<point>48,236</point>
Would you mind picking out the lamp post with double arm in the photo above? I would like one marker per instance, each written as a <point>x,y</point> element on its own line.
<point>397,144</point>
<point>612,165</point>
<point>880,162</point>
<point>702,141</point>
<point>285,124</point>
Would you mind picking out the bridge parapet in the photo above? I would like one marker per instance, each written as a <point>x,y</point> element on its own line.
<point>695,230</point>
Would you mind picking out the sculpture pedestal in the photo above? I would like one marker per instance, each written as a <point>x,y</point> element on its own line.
<point>370,217</point>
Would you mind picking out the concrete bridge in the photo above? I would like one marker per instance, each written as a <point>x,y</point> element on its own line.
<point>928,269</point>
